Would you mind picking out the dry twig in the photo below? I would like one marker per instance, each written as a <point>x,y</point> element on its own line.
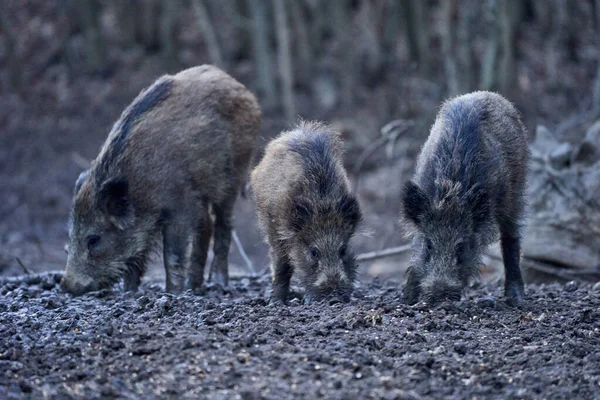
<point>243,253</point>
<point>373,255</point>
<point>25,269</point>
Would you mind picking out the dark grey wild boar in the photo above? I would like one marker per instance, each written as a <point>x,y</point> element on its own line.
<point>469,186</point>
<point>182,146</point>
<point>308,212</point>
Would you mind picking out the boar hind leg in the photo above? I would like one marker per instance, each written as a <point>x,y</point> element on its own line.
<point>200,252</point>
<point>281,274</point>
<point>176,236</point>
<point>222,239</point>
<point>511,254</point>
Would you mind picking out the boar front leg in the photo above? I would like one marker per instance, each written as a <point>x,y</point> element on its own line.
<point>281,274</point>
<point>132,279</point>
<point>200,251</point>
<point>176,235</point>
<point>511,254</point>
<point>219,273</point>
<point>412,289</point>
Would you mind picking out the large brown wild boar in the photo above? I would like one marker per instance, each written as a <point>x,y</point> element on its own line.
<point>469,185</point>
<point>308,212</point>
<point>185,144</point>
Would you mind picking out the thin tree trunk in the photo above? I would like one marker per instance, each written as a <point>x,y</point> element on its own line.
<point>167,38</point>
<point>262,52</point>
<point>304,69</point>
<point>449,47</point>
<point>147,24</point>
<point>127,13</point>
<point>284,59</point>
<point>88,12</point>
<point>489,78</point>
<point>369,24</point>
<point>597,12</point>
<point>417,34</point>
<point>12,62</point>
<point>508,20</point>
<point>208,32</point>
<point>392,27</point>
<point>340,20</point>
<point>466,35</point>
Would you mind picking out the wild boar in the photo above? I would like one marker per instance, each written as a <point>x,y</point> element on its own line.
<point>468,189</point>
<point>308,212</point>
<point>185,144</point>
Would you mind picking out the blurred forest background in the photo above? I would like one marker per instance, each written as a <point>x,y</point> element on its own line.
<point>376,70</point>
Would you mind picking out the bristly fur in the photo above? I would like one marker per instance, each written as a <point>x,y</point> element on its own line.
<point>318,155</point>
<point>305,204</point>
<point>146,101</point>
<point>182,147</point>
<point>469,185</point>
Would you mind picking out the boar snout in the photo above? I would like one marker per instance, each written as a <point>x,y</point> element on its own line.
<point>438,290</point>
<point>334,287</point>
<point>77,285</point>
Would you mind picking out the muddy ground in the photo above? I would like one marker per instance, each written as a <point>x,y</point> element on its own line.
<point>111,344</point>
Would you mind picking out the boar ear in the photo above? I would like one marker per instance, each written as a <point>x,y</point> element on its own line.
<point>80,181</point>
<point>113,199</point>
<point>350,210</point>
<point>415,202</point>
<point>301,213</point>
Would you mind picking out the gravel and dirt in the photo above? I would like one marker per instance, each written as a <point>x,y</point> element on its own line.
<point>232,344</point>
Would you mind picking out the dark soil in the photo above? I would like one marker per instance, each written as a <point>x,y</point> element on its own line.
<point>233,345</point>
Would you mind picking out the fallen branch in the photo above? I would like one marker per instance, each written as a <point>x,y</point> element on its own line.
<point>558,272</point>
<point>526,262</point>
<point>373,255</point>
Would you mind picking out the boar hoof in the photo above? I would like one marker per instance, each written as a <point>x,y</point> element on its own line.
<point>219,278</point>
<point>276,301</point>
<point>217,288</point>
<point>514,294</point>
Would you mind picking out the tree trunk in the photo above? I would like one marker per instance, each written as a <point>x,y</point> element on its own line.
<point>89,12</point>
<point>262,51</point>
<point>208,33</point>
<point>147,24</point>
<point>127,14</point>
<point>466,35</point>
<point>449,47</point>
<point>168,45</point>
<point>12,61</point>
<point>284,59</point>
<point>509,19</point>
<point>392,27</point>
<point>341,21</point>
<point>488,80</point>
<point>303,70</point>
<point>417,34</point>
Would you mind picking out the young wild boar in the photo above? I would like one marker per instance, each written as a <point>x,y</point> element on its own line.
<point>184,144</point>
<point>469,186</point>
<point>308,212</point>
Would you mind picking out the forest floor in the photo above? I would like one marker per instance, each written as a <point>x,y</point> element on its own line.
<point>232,344</point>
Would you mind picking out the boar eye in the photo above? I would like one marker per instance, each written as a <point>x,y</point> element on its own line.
<point>314,252</point>
<point>93,241</point>
<point>343,250</point>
